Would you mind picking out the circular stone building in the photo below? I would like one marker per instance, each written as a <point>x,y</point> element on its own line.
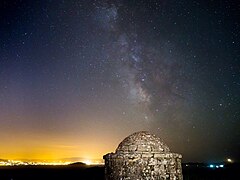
<point>143,156</point>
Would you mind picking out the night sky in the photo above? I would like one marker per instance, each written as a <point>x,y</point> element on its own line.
<point>76,77</point>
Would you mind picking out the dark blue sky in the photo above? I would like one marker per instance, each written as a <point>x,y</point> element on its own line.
<point>86,74</point>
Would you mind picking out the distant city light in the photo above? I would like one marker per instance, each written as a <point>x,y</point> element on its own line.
<point>216,166</point>
<point>211,166</point>
<point>229,160</point>
<point>87,162</point>
<point>58,163</point>
<point>21,163</point>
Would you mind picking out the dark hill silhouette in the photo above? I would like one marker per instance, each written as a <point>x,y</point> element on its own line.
<point>77,164</point>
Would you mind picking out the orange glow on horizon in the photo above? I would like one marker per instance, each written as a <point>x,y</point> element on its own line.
<point>53,148</point>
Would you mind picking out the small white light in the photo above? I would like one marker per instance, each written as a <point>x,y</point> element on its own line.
<point>211,166</point>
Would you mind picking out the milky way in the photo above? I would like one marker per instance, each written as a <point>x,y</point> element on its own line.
<point>152,76</point>
<point>78,76</point>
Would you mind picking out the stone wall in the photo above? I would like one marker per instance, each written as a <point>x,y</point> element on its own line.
<point>145,166</point>
<point>143,156</point>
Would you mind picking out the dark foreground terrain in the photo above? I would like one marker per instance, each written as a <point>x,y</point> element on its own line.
<point>97,173</point>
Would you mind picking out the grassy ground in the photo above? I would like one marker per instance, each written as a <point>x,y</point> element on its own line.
<point>227,173</point>
<point>51,173</point>
<point>97,173</point>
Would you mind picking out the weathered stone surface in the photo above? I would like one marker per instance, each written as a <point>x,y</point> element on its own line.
<point>143,156</point>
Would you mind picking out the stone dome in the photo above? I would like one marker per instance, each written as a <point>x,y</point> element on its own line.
<point>141,142</point>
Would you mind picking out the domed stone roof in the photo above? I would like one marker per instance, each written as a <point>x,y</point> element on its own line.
<point>141,142</point>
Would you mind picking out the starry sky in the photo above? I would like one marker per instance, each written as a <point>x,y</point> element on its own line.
<point>76,77</point>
